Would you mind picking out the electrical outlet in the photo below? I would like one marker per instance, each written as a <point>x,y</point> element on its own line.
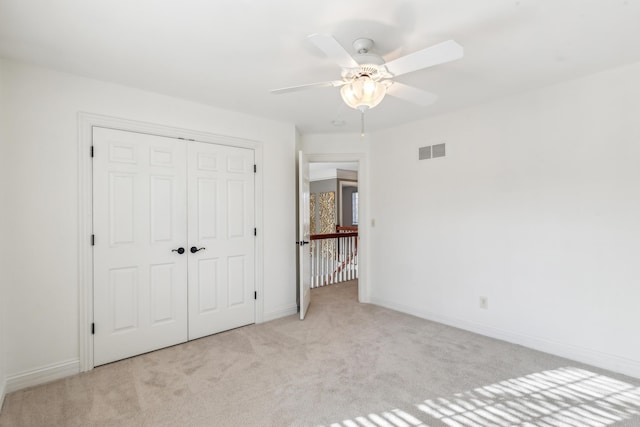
<point>484,303</point>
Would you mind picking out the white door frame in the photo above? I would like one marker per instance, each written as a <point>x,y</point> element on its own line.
<point>364,291</point>
<point>86,122</point>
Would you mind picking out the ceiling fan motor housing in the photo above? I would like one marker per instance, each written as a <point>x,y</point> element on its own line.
<point>374,71</point>
<point>362,45</point>
<point>371,65</point>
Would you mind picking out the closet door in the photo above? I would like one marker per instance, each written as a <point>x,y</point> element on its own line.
<point>140,222</point>
<point>221,238</point>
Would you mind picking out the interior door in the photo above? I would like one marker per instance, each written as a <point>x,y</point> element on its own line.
<point>304,248</point>
<point>140,226</point>
<point>221,238</point>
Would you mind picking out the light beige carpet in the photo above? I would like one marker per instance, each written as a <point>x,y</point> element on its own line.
<point>348,365</point>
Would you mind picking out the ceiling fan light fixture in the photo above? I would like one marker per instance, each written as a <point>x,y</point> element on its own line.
<point>363,92</point>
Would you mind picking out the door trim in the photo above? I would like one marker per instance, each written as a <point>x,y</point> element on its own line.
<point>86,122</point>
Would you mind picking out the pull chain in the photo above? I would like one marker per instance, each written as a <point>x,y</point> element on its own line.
<point>362,124</point>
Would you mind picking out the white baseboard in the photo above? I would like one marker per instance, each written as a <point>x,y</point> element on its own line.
<point>42,375</point>
<point>282,312</point>
<point>596,358</point>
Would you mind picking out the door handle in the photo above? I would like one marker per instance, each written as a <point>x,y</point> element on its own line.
<point>302,243</point>
<point>194,249</point>
<point>179,250</point>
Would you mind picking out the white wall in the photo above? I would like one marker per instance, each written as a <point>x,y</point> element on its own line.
<point>42,225</point>
<point>327,143</point>
<point>536,206</point>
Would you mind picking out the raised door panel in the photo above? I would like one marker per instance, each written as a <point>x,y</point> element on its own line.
<point>206,217</point>
<point>208,279</point>
<point>236,280</point>
<point>121,207</point>
<point>161,215</point>
<point>164,282</point>
<point>123,299</point>
<point>140,285</point>
<point>237,209</point>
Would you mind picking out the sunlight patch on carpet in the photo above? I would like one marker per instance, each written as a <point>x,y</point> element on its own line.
<point>562,397</point>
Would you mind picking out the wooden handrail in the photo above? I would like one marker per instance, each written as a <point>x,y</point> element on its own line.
<point>346,228</point>
<point>332,236</point>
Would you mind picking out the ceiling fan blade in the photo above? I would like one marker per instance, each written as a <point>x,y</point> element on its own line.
<point>334,50</point>
<point>434,55</point>
<point>334,83</point>
<point>412,94</point>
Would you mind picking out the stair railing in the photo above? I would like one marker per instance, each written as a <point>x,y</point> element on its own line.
<point>334,257</point>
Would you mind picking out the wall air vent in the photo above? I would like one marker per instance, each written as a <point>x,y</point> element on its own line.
<point>424,153</point>
<point>438,150</point>
<point>431,152</point>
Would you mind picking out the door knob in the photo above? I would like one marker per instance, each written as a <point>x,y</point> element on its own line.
<point>179,250</point>
<point>194,249</point>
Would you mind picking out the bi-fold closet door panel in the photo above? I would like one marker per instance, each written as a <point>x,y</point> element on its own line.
<point>140,218</point>
<point>152,196</point>
<point>221,222</point>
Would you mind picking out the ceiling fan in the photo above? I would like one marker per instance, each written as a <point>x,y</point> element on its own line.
<point>366,78</point>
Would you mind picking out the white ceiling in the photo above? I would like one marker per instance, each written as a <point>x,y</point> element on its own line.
<point>229,53</point>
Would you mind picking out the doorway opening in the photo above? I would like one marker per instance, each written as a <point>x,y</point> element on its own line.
<point>333,209</point>
<point>304,216</point>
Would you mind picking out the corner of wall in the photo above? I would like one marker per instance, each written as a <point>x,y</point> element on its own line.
<point>280,312</point>
<point>42,375</point>
<point>3,387</point>
<point>495,219</point>
<point>581,354</point>
<point>3,347</point>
